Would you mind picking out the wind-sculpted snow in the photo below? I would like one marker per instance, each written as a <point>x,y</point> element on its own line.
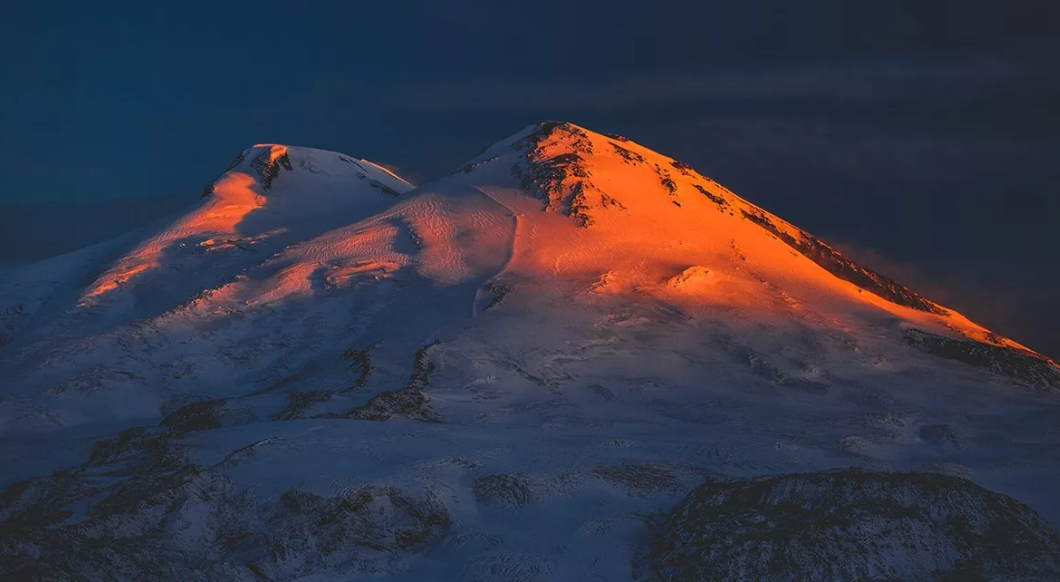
<point>244,213</point>
<point>852,525</point>
<point>321,373</point>
<point>643,201</point>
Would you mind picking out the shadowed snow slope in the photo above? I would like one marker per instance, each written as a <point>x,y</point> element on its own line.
<point>567,333</point>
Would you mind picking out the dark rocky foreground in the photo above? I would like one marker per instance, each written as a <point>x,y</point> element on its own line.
<point>138,509</point>
<point>851,525</point>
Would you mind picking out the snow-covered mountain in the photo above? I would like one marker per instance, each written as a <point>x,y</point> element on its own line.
<point>320,372</point>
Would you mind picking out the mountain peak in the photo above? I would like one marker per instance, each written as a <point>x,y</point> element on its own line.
<point>310,378</point>
<point>646,202</point>
<point>555,161</point>
<point>270,195</point>
<point>265,161</point>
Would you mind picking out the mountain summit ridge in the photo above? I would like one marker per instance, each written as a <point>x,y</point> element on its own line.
<point>567,171</point>
<point>322,372</point>
<point>556,160</point>
<point>647,223</point>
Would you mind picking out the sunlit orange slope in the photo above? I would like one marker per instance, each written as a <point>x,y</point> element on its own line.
<point>269,191</point>
<point>558,257</point>
<point>621,218</point>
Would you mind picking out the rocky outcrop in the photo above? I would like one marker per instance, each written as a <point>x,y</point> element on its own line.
<point>553,167</point>
<point>268,163</point>
<point>139,510</point>
<point>1025,367</point>
<point>411,402</point>
<point>835,263</point>
<point>851,525</point>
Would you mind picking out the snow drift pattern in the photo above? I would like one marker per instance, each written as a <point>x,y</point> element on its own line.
<point>321,372</point>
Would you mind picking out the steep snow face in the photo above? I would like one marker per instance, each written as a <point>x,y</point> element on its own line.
<point>516,362</point>
<point>649,218</point>
<point>79,309</point>
<point>268,192</point>
<point>270,196</point>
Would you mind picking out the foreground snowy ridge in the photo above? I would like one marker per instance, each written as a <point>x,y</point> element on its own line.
<point>516,372</point>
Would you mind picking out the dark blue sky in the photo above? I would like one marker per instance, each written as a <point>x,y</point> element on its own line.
<point>920,135</point>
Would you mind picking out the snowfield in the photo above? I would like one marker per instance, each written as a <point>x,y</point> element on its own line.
<point>564,361</point>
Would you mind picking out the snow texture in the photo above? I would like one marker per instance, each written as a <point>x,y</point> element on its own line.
<point>320,372</point>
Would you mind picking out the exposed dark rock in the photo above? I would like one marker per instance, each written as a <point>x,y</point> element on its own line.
<point>628,155</point>
<point>406,402</point>
<point>499,290</point>
<point>560,180</point>
<point>1023,366</point>
<point>716,199</point>
<point>299,402</point>
<point>356,532</point>
<point>360,364</point>
<point>195,417</point>
<point>238,160</point>
<point>268,169</point>
<point>665,179</point>
<point>833,262</point>
<point>851,525</point>
<point>11,317</point>
<point>603,391</point>
<point>209,188</point>
<point>471,166</point>
<point>580,142</point>
<point>353,535</point>
<point>384,188</point>
<point>137,509</point>
<point>411,402</point>
<point>940,435</point>
<point>757,365</point>
<point>606,200</point>
<point>640,480</point>
<point>683,168</point>
<point>579,207</point>
<point>502,489</point>
<point>138,471</point>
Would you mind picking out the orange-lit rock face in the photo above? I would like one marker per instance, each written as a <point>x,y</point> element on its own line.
<point>589,319</point>
<point>558,242</point>
<point>620,219</point>
<point>275,151</point>
<point>596,215</point>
